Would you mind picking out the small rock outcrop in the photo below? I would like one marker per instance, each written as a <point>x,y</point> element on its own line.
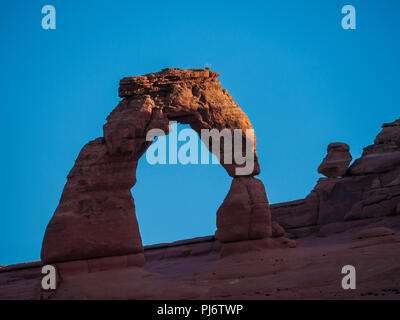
<point>383,156</point>
<point>367,191</point>
<point>96,214</point>
<point>337,160</point>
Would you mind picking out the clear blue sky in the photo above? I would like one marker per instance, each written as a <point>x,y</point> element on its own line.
<point>303,81</point>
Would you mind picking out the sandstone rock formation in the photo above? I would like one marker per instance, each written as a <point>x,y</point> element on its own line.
<point>95,226</point>
<point>96,214</point>
<point>369,190</point>
<point>244,214</point>
<point>337,161</point>
<point>383,156</point>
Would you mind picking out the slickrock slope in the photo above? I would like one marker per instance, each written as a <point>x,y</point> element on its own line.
<point>364,193</point>
<point>195,270</point>
<point>96,214</point>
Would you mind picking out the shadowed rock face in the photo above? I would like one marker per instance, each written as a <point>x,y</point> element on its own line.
<point>96,214</point>
<point>384,155</point>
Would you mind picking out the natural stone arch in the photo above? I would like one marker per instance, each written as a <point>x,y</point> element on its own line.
<point>96,214</point>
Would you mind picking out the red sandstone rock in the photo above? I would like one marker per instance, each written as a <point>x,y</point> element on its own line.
<point>238,247</point>
<point>383,156</point>
<point>375,163</point>
<point>96,217</point>
<point>185,248</point>
<point>332,228</point>
<point>337,161</point>
<point>277,230</point>
<point>311,271</point>
<point>245,213</point>
<point>365,210</point>
<point>193,97</point>
<point>337,197</point>
<point>390,133</point>
<point>299,213</point>
<point>370,189</point>
<point>96,214</point>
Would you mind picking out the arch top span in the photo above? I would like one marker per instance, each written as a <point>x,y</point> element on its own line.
<point>193,97</point>
<point>96,214</point>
